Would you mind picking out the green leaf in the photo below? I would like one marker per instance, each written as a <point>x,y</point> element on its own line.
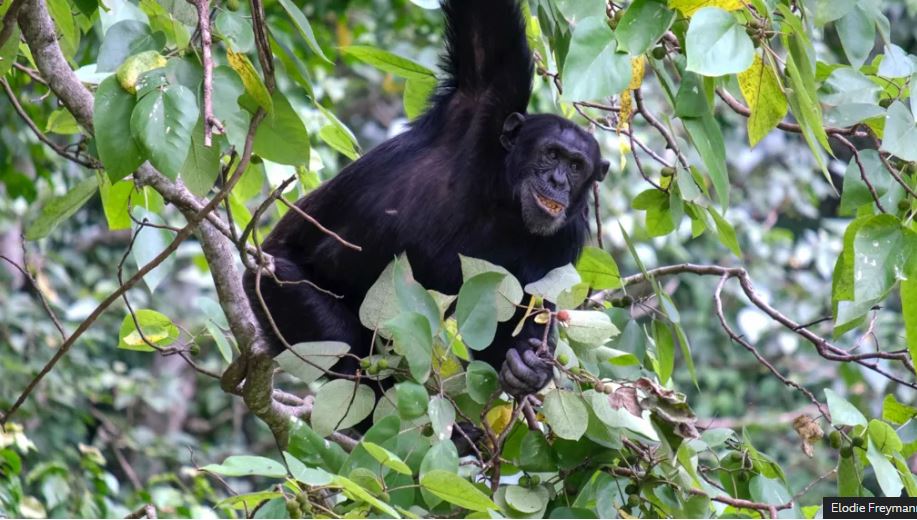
<point>897,412</point>
<point>282,136</point>
<point>883,250</point>
<point>909,311</point>
<point>476,310</point>
<point>598,269</point>
<point>717,44</point>
<point>643,23</point>
<point>764,97</point>
<point>115,201</point>
<point>379,305</point>
<point>149,243</point>
<point>441,456</point>
<point>61,122</point>
<point>358,493</point>
<point>856,193</point>
<point>726,233</point>
<point>665,350</point>
<point>555,282</point>
<point>456,490</point>
<point>123,39</point>
<point>842,412</point>
<point>220,339</point>
<point>594,69</point>
<point>590,327</point>
<point>566,413</point>
<point>250,501</point>
<point>416,97</point>
<point>309,361</point>
<point>509,292</point>
<point>414,341</point>
<point>388,62</point>
<point>900,137</point>
<point>386,458</point>
<point>156,327</point>
<point>162,123</point>
<point>202,166</point>
<point>247,465</point>
<point>227,88</point>
<point>9,51</point>
<point>302,24</point>
<point>802,95</point>
<point>856,31</point>
<point>896,63</point>
<point>884,437</point>
<point>340,404</point>
<point>442,417</point>
<point>481,381</point>
<point>60,208</point>
<point>886,474</point>
<point>235,28</point>
<point>705,133</point>
<point>412,297</point>
<point>305,474</point>
<point>527,500</point>
<point>111,118</point>
<point>411,400</point>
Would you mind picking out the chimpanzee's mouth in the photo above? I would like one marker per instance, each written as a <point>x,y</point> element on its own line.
<point>550,206</point>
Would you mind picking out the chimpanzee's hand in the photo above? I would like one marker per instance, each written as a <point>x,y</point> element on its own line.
<point>527,368</point>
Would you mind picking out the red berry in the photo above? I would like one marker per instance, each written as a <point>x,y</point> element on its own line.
<point>563,316</point>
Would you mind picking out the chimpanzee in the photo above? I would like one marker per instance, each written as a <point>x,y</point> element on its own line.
<point>474,175</point>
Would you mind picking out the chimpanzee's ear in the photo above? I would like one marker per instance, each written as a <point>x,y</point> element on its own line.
<point>511,127</point>
<point>603,170</point>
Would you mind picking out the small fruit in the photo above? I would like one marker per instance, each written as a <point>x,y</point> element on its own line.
<point>383,364</point>
<point>563,316</point>
<point>659,52</point>
<point>525,481</point>
<point>886,102</point>
<point>373,369</point>
<point>539,302</point>
<point>600,387</point>
<point>633,501</point>
<point>365,363</point>
<point>847,452</point>
<point>563,359</point>
<point>632,489</point>
<point>609,389</point>
<point>667,171</point>
<point>742,476</point>
<point>858,442</point>
<point>622,302</point>
<point>834,439</point>
<point>535,479</point>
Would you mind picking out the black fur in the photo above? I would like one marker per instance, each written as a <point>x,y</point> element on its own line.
<point>458,182</point>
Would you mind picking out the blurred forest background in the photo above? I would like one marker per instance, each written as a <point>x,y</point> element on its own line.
<point>110,428</point>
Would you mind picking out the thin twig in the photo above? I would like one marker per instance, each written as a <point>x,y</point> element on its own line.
<point>58,149</point>
<point>41,295</point>
<point>211,123</point>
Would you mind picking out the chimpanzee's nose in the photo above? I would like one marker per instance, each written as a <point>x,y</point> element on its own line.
<point>558,178</point>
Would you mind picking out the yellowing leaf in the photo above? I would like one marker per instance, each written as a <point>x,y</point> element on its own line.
<point>638,68</point>
<point>689,7</point>
<point>250,79</point>
<point>498,417</point>
<point>766,101</point>
<point>129,71</point>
